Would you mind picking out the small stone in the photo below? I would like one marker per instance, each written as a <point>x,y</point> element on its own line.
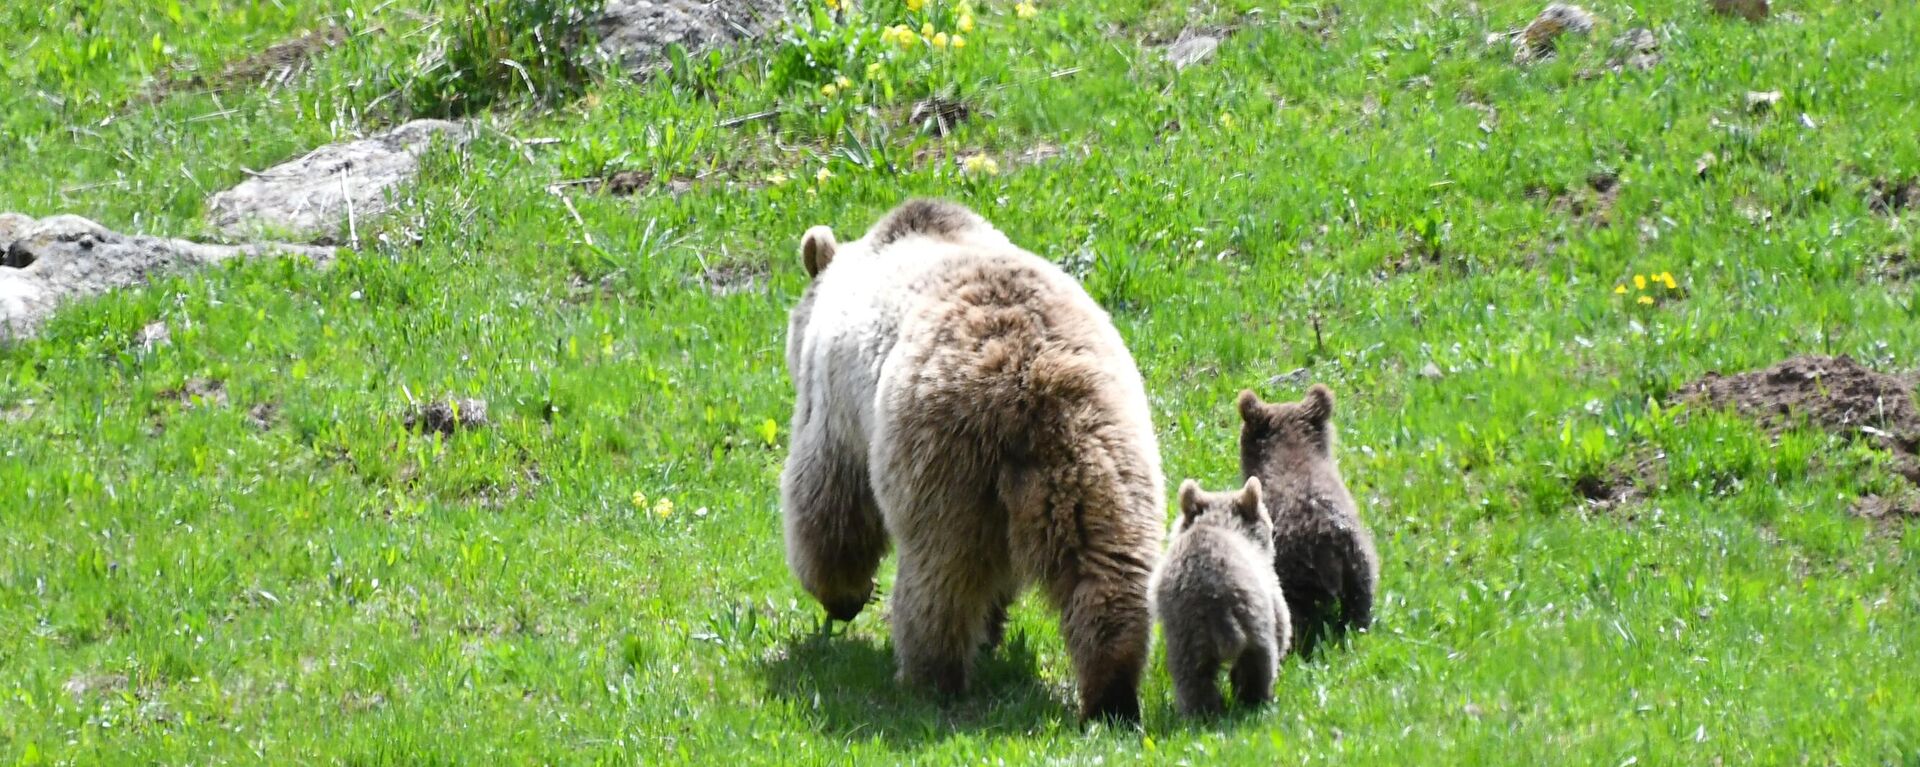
<point>1760,102</point>
<point>153,335</point>
<point>1191,48</point>
<point>1432,372</point>
<point>1538,40</point>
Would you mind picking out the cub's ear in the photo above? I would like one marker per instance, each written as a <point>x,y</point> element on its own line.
<point>1190,498</point>
<point>1251,408</point>
<point>1249,502</point>
<point>1319,403</point>
<point>816,249</point>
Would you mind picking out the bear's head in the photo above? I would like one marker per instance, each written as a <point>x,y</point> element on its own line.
<point>936,219</point>
<point>1244,510</point>
<point>1285,435</point>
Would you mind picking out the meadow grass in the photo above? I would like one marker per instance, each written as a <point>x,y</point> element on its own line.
<point>283,573</point>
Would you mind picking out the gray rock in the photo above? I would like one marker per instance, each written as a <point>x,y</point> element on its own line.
<point>1191,48</point>
<point>311,196</point>
<point>46,261</point>
<point>637,33</point>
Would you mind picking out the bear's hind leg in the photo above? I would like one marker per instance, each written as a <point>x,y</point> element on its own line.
<point>1107,627</point>
<point>1195,672</point>
<point>943,601</point>
<point>835,537</point>
<point>1253,673</point>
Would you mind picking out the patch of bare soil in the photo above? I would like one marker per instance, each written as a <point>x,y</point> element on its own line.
<point>1840,396</point>
<point>1621,484</point>
<point>448,415</point>
<point>198,392</point>
<point>1888,511</point>
<point>1590,204</point>
<point>1890,196</point>
<point>1833,393</point>
<point>1897,265</point>
<point>939,116</point>
<point>264,415</point>
<point>275,64</point>
<point>726,279</point>
<point>1751,10</point>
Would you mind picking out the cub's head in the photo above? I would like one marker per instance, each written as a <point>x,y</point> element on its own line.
<point>1287,434</point>
<point>1244,510</point>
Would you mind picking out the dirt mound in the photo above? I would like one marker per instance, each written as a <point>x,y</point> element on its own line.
<point>1833,393</point>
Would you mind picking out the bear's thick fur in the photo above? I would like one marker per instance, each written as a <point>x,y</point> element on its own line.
<point>1218,601</point>
<point>969,402</point>
<point>1322,552</point>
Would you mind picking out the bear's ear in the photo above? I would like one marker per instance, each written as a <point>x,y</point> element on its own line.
<point>1252,410</point>
<point>1248,502</point>
<point>1190,498</point>
<point>1318,403</point>
<point>816,249</point>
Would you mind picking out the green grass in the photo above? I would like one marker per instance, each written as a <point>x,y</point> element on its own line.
<point>178,585</point>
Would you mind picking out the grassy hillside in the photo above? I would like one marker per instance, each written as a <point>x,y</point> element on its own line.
<point>230,549</point>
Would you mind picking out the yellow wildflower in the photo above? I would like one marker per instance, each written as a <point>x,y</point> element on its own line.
<point>965,24</point>
<point>903,36</point>
<point>926,30</point>
<point>915,5</point>
<point>1644,300</point>
<point>822,176</point>
<point>1226,120</point>
<point>873,71</point>
<point>829,90</point>
<point>833,4</point>
<point>940,40</point>
<point>843,82</point>
<point>1639,282</point>
<point>1667,277</point>
<point>775,178</point>
<point>1619,290</point>
<point>639,499</point>
<point>980,164</point>
<point>663,508</point>
<point>1025,11</point>
<point>958,42</point>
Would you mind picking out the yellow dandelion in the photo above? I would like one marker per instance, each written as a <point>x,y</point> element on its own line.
<point>639,499</point>
<point>926,30</point>
<point>940,40</point>
<point>904,37</point>
<point>829,90</point>
<point>980,165</point>
<point>1667,278</point>
<point>833,4</point>
<point>873,71</point>
<point>1644,300</point>
<point>663,508</point>
<point>1639,282</point>
<point>822,176</point>
<point>776,178</point>
<point>1226,120</point>
<point>843,82</point>
<point>915,5</point>
<point>1619,290</point>
<point>965,24</point>
<point>1026,11</point>
<point>958,42</point>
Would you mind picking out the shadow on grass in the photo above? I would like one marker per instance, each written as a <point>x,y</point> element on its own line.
<point>844,686</point>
